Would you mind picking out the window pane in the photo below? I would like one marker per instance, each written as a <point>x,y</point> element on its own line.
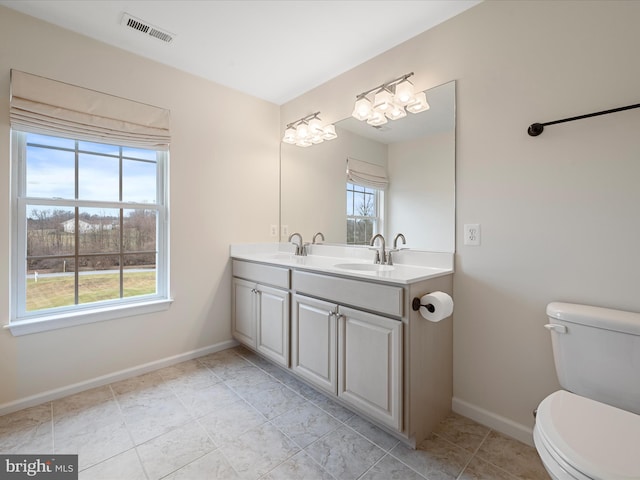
<point>349,202</point>
<point>50,173</point>
<point>138,181</point>
<point>96,284</point>
<point>99,230</point>
<point>98,178</point>
<point>139,231</point>
<point>48,230</point>
<point>139,275</point>
<point>50,283</point>
<point>139,153</point>
<point>99,148</point>
<point>48,141</point>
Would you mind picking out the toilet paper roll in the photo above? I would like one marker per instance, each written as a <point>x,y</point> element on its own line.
<point>442,306</point>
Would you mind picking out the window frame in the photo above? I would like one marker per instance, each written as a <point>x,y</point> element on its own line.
<point>25,322</point>
<point>378,219</point>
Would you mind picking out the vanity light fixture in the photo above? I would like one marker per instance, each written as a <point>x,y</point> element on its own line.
<point>308,131</point>
<point>391,100</point>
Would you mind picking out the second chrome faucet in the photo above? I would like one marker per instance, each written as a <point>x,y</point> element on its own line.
<point>382,255</point>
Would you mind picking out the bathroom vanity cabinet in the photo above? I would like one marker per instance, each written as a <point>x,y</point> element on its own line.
<point>260,313</point>
<point>349,352</point>
<point>354,339</point>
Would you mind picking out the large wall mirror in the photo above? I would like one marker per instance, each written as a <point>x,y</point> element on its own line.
<point>418,154</point>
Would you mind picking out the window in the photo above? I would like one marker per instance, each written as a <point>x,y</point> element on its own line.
<point>90,231</point>
<point>363,217</point>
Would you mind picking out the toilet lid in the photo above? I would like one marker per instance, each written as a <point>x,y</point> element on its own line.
<point>599,440</point>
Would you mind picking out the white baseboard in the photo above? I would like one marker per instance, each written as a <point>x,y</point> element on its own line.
<point>501,424</point>
<point>61,392</point>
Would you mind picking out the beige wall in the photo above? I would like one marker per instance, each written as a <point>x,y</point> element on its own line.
<point>223,189</point>
<point>558,213</point>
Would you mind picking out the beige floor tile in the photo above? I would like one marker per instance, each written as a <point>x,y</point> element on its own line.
<point>305,423</point>
<point>258,451</point>
<point>331,407</point>
<point>478,469</point>
<point>27,431</point>
<point>227,424</point>
<point>436,458</point>
<point>97,402</point>
<point>247,376</point>
<point>93,443</point>
<point>226,364</point>
<point>212,466</point>
<point>515,457</point>
<point>462,431</point>
<point>344,453</point>
<point>233,414</point>
<point>175,449</point>
<point>274,400</point>
<point>188,375</point>
<point>153,418</point>
<point>299,467</point>
<point>207,399</point>
<point>123,466</point>
<point>390,468</point>
<point>373,433</point>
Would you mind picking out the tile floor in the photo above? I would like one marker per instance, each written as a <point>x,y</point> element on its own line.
<point>232,415</point>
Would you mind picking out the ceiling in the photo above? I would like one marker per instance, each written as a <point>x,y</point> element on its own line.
<point>275,50</point>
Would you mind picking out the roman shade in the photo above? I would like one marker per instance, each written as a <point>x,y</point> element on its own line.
<point>366,174</point>
<point>50,107</point>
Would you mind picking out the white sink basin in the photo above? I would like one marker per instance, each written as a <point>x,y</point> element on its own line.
<point>364,267</point>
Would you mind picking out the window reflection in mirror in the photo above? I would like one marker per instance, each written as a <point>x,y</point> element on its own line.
<point>418,153</point>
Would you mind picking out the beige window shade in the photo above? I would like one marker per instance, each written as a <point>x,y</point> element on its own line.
<point>46,106</point>
<point>366,174</point>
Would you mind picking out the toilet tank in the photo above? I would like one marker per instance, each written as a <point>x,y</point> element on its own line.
<point>597,353</point>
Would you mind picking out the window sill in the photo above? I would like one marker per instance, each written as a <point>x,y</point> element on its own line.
<point>72,319</point>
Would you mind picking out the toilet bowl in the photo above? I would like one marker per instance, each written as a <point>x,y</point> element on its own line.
<point>582,439</point>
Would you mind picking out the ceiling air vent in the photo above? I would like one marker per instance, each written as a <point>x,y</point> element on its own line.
<point>141,26</point>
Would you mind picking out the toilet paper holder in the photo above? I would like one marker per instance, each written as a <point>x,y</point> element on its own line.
<point>415,305</point>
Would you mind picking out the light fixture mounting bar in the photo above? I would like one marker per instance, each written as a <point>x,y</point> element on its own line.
<point>311,116</point>
<point>386,85</point>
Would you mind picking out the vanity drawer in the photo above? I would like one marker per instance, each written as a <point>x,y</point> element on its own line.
<point>260,273</point>
<point>384,299</point>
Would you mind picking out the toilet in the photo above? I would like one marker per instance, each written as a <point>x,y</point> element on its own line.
<point>591,429</point>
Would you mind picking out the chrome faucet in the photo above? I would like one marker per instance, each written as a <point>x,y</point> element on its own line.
<point>395,241</point>
<point>381,255</point>
<point>319,234</point>
<point>395,247</point>
<point>300,249</point>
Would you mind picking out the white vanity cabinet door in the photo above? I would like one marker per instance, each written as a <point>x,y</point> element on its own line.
<point>370,365</point>
<point>243,315</point>
<point>313,342</point>
<point>273,324</point>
